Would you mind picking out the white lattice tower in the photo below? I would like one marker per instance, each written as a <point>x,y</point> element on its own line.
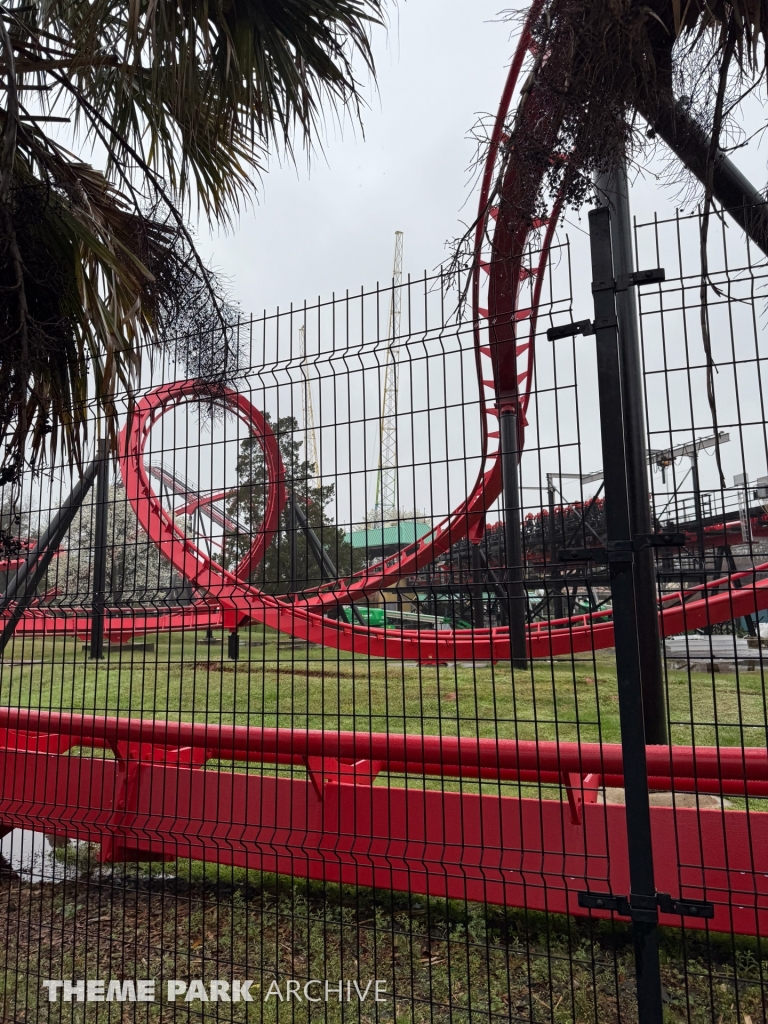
<point>307,409</point>
<point>386,481</point>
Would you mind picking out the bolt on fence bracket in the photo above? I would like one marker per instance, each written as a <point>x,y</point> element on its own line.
<point>585,327</point>
<point>604,901</point>
<point>640,277</point>
<point>660,540</point>
<point>620,551</point>
<point>685,908</point>
<point>581,555</point>
<point>645,908</point>
<point>614,551</point>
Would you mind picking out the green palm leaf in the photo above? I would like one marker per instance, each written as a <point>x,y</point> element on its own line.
<point>185,100</point>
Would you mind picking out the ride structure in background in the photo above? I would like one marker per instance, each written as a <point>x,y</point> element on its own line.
<point>385,506</point>
<point>503,266</point>
<point>232,602</point>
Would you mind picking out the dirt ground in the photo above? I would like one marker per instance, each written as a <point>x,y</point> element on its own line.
<point>441,961</point>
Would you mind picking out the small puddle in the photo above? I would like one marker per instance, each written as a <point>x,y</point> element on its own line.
<point>34,858</point>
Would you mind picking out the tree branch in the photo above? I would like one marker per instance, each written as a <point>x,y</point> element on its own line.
<point>709,184</point>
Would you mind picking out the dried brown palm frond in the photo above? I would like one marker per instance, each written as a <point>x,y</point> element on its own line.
<point>603,61</point>
<point>746,21</point>
<point>599,64</point>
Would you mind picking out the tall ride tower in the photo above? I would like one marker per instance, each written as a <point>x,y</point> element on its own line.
<point>385,508</point>
<point>312,453</point>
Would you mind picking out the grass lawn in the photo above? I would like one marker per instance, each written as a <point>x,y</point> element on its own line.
<point>442,961</point>
<point>277,684</point>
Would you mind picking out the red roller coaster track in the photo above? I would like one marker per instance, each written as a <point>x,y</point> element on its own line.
<point>153,801</point>
<point>505,372</point>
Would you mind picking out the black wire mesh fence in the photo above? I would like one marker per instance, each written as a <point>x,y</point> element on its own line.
<point>270,746</point>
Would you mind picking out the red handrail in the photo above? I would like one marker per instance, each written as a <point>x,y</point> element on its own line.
<point>429,754</point>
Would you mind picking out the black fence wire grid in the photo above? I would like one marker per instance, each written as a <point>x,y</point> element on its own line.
<point>350,689</point>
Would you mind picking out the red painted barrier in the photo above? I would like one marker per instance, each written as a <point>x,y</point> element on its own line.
<point>155,800</point>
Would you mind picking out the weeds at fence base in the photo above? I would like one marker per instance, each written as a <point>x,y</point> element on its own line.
<point>441,960</point>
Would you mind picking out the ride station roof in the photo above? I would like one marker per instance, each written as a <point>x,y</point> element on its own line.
<point>379,542</point>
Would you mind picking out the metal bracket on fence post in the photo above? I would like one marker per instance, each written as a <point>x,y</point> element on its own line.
<point>620,553</point>
<point>644,909</point>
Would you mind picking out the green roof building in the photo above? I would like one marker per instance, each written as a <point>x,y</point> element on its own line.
<point>380,542</point>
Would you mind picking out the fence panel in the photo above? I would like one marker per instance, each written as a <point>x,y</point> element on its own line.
<point>267,750</point>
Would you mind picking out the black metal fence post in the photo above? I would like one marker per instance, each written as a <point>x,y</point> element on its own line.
<point>557,589</point>
<point>293,526</point>
<point>476,587</point>
<point>100,553</point>
<point>233,646</point>
<point>698,512</point>
<point>643,899</point>
<point>314,544</point>
<point>613,190</point>
<point>21,588</point>
<point>513,538</point>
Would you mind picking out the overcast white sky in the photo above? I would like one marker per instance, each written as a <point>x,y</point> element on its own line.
<point>441,64</point>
